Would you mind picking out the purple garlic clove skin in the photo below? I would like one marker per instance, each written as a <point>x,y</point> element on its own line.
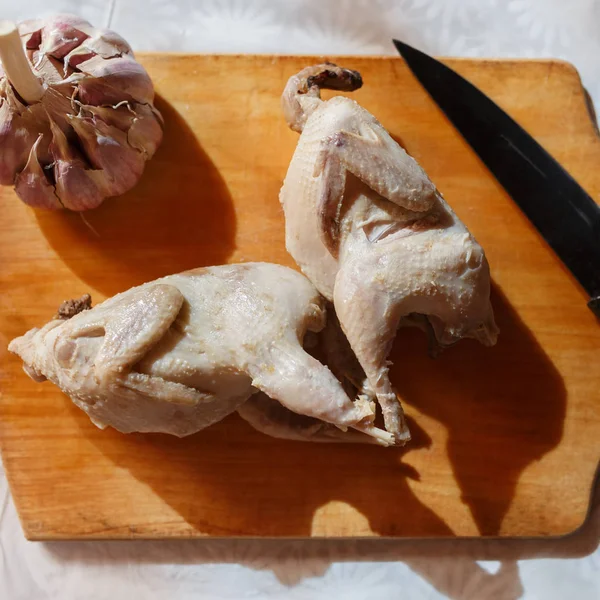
<point>113,81</point>
<point>14,103</point>
<point>142,124</point>
<point>75,187</point>
<point>145,134</point>
<point>108,44</point>
<point>104,43</point>
<point>16,140</point>
<point>107,149</point>
<point>121,117</point>
<point>55,107</point>
<point>31,33</point>
<point>32,183</point>
<point>47,67</point>
<point>89,135</point>
<point>62,34</point>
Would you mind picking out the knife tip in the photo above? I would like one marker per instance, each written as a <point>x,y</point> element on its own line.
<point>400,46</point>
<point>408,52</point>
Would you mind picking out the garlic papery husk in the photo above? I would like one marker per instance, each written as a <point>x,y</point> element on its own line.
<point>77,120</point>
<point>16,140</point>
<point>144,129</point>
<point>114,80</point>
<point>104,43</point>
<point>32,183</point>
<point>108,151</point>
<point>75,186</point>
<point>61,34</point>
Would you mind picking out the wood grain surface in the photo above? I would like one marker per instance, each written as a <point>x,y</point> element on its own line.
<point>506,440</point>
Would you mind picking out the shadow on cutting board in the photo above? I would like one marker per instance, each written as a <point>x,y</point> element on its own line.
<point>179,216</point>
<point>503,408</point>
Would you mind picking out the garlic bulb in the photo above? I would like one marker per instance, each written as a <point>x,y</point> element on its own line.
<point>77,121</point>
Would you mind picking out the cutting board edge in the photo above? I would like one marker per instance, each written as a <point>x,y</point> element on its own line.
<point>567,67</point>
<point>65,536</point>
<point>73,537</point>
<point>369,57</point>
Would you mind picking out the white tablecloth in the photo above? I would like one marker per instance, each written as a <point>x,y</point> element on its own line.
<point>508,569</point>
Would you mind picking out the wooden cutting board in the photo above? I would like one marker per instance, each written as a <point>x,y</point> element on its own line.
<point>506,440</point>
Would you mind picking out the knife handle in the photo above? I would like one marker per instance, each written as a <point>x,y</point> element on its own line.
<point>594,306</point>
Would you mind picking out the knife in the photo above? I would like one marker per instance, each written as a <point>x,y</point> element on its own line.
<point>559,208</point>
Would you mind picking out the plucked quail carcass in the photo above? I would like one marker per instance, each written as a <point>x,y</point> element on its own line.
<point>371,231</point>
<point>330,347</point>
<point>182,352</point>
<point>77,120</point>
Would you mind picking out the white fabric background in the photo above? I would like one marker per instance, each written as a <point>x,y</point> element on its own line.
<point>508,569</point>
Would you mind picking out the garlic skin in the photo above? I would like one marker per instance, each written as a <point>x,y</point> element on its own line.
<point>93,129</point>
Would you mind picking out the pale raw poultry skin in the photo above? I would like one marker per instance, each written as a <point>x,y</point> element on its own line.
<point>180,353</point>
<point>371,231</point>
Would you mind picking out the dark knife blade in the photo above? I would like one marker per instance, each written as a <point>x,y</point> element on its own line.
<point>560,209</point>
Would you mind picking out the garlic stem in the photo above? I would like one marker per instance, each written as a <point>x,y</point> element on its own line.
<point>16,65</point>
